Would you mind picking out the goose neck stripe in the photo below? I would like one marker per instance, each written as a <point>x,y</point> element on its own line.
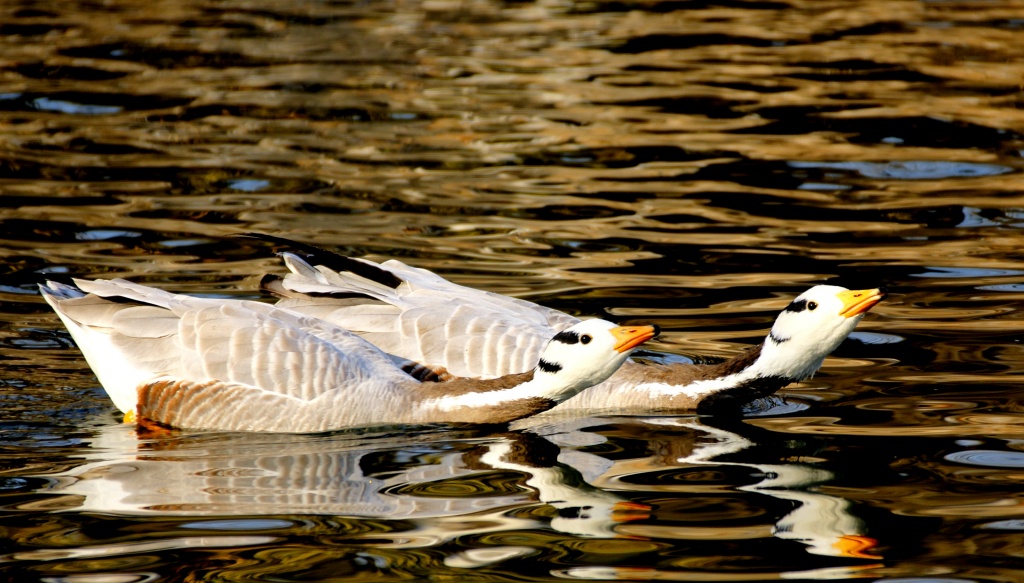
<point>548,366</point>
<point>776,339</point>
<point>567,337</point>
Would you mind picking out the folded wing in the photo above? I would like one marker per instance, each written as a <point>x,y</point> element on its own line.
<point>142,342</point>
<point>425,318</point>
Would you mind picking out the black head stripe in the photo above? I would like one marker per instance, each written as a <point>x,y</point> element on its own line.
<point>548,366</point>
<point>796,306</point>
<point>566,337</point>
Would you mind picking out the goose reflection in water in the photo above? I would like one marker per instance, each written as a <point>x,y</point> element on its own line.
<point>449,484</point>
<point>824,524</point>
<point>444,483</point>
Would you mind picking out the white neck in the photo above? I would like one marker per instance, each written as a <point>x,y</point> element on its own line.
<point>701,387</point>
<point>787,359</point>
<point>773,361</point>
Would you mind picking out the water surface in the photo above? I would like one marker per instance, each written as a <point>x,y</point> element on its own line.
<point>693,164</point>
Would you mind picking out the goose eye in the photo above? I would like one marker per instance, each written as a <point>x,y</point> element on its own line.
<point>812,305</point>
<point>585,339</point>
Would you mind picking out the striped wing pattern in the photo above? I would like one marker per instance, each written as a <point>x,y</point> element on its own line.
<point>222,348</point>
<point>428,319</point>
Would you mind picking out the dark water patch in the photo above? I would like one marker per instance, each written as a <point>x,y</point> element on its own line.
<point>781,207</point>
<point>910,169</point>
<point>788,112</point>
<point>136,243</point>
<point>128,179</point>
<point>377,112</point>
<point>754,87</point>
<point>32,29</point>
<point>41,70</point>
<point>35,339</point>
<point>694,261</point>
<point>162,57</point>
<point>686,219</point>
<point>926,580</point>
<point>859,70</point>
<point>80,103</point>
<point>396,205</point>
<point>13,201</point>
<point>16,485</point>
<point>662,42</point>
<point>673,6</point>
<point>1005,24</point>
<point>936,218</point>
<point>241,183</point>
<point>569,247</point>
<point>33,13</point>
<point>910,131</point>
<point>629,157</point>
<point>311,87</point>
<point>756,173</point>
<point>712,107</point>
<point>39,231</point>
<point>869,30</point>
<point>336,13</point>
<point>231,29</point>
<point>213,217</point>
<point>574,212</point>
<point>87,146</point>
<point>324,209</point>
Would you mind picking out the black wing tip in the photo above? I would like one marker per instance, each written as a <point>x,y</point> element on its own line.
<point>331,260</point>
<point>272,284</point>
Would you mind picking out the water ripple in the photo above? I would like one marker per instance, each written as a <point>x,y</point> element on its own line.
<point>911,170</point>
<point>988,458</point>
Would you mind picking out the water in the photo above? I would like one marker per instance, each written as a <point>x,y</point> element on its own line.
<point>686,163</point>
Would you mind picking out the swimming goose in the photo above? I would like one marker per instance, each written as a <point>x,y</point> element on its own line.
<point>416,315</point>
<point>201,363</point>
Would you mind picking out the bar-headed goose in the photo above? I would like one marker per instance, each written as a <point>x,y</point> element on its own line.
<point>419,316</point>
<point>201,363</point>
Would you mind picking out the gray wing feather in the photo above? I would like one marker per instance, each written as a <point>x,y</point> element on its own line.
<point>429,319</point>
<point>265,348</point>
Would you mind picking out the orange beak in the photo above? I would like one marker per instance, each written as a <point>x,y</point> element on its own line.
<point>629,337</point>
<point>851,545</point>
<point>858,301</point>
<point>624,511</point>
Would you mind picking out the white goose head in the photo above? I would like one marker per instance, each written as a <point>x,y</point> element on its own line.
<point>811,327</point>
<point>586,354</point>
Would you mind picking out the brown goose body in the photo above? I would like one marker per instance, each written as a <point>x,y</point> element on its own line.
<point>203,363</point>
